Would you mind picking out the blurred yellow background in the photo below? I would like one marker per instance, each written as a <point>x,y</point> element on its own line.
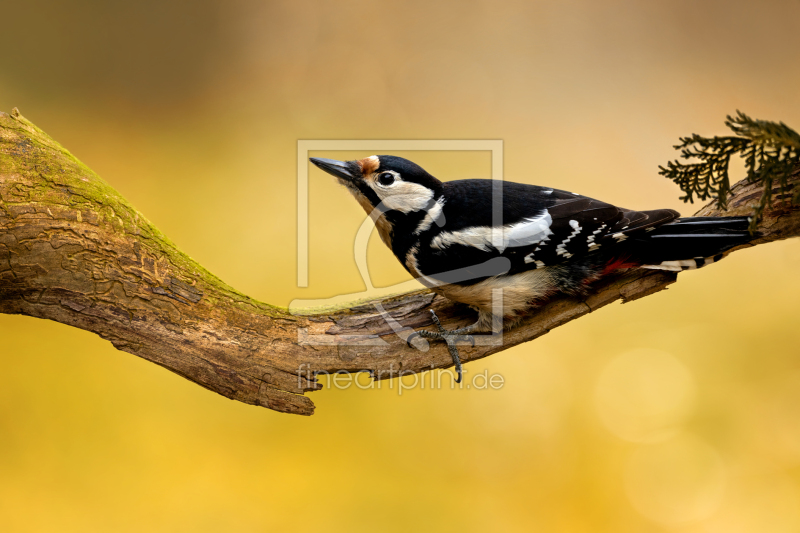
<point>678,413</point>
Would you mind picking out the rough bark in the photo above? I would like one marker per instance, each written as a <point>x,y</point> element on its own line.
<point>74,251</point>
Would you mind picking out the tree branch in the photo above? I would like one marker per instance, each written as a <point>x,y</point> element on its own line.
<point>74,251</point>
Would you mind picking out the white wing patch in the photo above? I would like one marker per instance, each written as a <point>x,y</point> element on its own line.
<point>525,233</point>
<point>561,249</point>
<point>590,239</point>
<point>529,231</point>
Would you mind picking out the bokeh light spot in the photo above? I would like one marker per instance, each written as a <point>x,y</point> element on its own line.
<point>676,481</point>
<point>643,395</point>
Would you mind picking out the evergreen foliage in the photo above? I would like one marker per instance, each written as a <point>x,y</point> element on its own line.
<point>771,153</point>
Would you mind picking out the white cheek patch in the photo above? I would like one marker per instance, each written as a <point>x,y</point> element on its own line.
<point>404,196</point>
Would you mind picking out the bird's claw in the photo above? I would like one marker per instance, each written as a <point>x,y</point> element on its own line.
<point>450,337</point>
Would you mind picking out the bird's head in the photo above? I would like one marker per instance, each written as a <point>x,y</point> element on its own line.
<point>395,186</point>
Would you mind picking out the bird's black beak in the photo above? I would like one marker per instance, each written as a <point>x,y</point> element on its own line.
<point>340,169</point>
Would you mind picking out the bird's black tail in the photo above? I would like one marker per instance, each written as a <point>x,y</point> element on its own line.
<point>689,243</point>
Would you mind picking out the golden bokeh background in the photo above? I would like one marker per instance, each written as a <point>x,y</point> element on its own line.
<point>677,413</point>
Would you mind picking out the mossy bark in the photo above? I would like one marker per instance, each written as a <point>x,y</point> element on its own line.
<point>74,251</point>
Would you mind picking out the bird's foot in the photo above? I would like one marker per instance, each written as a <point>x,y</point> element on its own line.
<point>451,337</point>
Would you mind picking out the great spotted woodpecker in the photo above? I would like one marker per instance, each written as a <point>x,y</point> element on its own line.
<point>538,242</point>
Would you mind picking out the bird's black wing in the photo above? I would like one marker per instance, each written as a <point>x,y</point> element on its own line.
<point>540,226</point>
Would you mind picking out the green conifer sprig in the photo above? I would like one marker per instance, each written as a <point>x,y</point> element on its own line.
<point>771,153</point>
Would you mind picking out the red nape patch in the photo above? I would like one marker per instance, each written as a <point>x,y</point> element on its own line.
<point>618,264</point>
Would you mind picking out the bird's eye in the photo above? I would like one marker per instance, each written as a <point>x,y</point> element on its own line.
<point>386,179</point>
